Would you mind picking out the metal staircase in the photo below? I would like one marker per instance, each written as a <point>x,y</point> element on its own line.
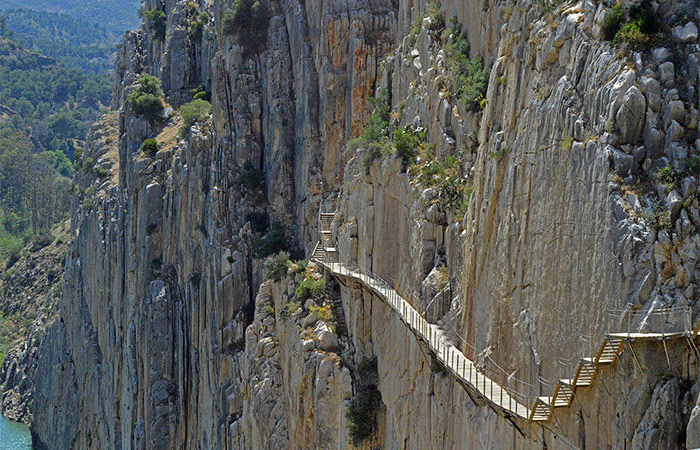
<point>506,399</point>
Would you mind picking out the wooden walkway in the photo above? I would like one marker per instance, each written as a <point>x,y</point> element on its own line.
<point>504,400</point>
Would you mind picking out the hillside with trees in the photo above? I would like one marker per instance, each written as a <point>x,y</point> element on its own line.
<point>78,43</point>
<point>115,15</point>
<point>46,110</point>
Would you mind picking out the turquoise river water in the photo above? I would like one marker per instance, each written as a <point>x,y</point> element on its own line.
<point>14,436</point>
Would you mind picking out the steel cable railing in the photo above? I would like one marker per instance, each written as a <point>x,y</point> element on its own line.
<point>657,321</point>
<point>482,379</point>
<point>492,381</point>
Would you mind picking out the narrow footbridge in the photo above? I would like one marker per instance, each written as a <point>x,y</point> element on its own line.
<point>506,398</point>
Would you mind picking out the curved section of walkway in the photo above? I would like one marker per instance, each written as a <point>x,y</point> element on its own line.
<point>505,400</point>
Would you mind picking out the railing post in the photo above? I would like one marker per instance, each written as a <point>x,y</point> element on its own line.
<point>629,327</point>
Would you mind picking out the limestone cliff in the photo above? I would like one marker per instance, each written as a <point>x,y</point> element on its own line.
<point>581,160</point>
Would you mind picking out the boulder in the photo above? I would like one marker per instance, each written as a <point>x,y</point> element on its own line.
<point>630,116</point>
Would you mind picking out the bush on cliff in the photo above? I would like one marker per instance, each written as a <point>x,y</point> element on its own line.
<point>375,135</point>
<point>149,147</point>
<point>612,22</point>
<point>196,29</point>
<point>147,99</point>
<point>468,77</point>
<point>637,32</point>
<point>156,23</point>
<point>407,143</point>
<point>274,241</point>
<point>248,21</point>
<point>251,177</point>
<point>193,112</point>
<point>201,93</point>
<point>310,287</point>
<point>362,412</point>
<point>277,266</point>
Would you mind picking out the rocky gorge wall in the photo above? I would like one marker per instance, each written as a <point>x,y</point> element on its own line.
<point>169,337</point>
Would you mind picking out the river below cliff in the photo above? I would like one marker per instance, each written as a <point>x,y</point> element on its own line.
<point>14,436</point>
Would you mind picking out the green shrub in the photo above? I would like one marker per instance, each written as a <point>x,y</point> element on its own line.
<point>612,22</point>
<point>88,165</point>
<point>643,16</point>
<point>407,143</point>
<point>273,242</point>
<point>277,266</point>
<point>201,93</point>
<point>147,99</point>
<point>658,217</point>
<point>196,28</point>
<point>251,177</point>
<point>149,147</point>
<point>41,240</point>
<point>102,172</point>
<point>637,32</point>
<point>375,135</point>
<point>437,19</point>
<point>377,128</point>
<point>468,77</point>
<point>310,287</point>
<point>259,221</point>
<point>668,177</point>
<point>288,310</point>
<point>197,110</point>
<point>13,223</point>
<point>453,189</point>
<point>632,35</point>
<point>10,248</point>
<point>156,23</point>
<point>299,266</point>
<point>248,21</point>
<point>362,412</point>
<point>203,96</point>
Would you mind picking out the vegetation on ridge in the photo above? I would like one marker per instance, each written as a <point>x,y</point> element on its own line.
<point>248,21</point>
<point>468,78</point>
<point>147,99</point>
<point>156,20</point>
<point>196,111</point>
<point>638,30</point>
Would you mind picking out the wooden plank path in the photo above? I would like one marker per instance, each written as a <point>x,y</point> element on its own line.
<point>449,356</point>
<point>505,400</point>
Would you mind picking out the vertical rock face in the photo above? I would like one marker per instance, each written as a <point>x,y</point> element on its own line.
<point>168,336</point>
<point>161,280</point>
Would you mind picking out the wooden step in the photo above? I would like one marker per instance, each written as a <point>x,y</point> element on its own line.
<point>584,373</point>
<point>541,410</point>
<point>563,394</point>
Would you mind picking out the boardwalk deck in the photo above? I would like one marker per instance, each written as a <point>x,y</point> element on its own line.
<point>508,401</point>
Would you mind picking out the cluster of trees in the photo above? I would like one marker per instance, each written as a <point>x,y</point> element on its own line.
<point>33,193</point>
<point>5,31</point>
<point>46,110</point>
<point>77,43</point>
<point>56,104</point>
<point>116,16</point>
<point>147,98</point>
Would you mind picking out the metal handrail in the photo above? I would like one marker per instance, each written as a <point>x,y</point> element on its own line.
<point>482,377</point>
